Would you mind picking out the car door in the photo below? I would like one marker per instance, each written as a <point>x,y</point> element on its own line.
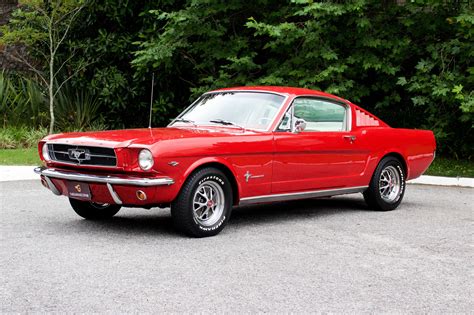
<point>325,155</point>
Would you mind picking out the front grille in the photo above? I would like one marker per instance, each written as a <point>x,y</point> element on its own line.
<point>82,155</point>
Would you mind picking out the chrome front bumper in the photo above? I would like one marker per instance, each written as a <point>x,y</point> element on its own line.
<point>49,173</point>
<point>114,180</point>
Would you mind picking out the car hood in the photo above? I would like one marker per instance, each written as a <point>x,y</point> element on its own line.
<point>145,136</point>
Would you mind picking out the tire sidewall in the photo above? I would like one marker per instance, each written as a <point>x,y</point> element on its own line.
<point>196,180</point>
<point>376,184</point>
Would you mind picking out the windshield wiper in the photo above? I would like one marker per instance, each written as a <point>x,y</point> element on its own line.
<point>225,123</point>
<point>184,120</point>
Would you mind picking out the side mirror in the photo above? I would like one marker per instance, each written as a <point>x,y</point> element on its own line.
<point>299,125</point>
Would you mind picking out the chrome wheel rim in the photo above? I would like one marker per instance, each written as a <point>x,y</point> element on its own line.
<point>390,184</point>
<point>208,203</point>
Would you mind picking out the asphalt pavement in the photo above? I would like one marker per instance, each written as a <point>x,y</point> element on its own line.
<point>324,255</point>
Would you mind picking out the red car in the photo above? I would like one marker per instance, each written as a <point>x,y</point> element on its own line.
<point>237,146</point>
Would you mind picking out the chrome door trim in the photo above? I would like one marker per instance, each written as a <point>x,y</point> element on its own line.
<point>301,195</point>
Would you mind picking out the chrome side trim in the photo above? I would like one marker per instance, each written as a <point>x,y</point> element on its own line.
<point>301,195</point>
<point>114,195</point>
<point>133,181</point>
<point>51,186</point>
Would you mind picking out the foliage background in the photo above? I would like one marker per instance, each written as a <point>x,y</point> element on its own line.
<point>407,62</point>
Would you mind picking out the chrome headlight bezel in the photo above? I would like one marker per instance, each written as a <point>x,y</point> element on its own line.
<point>145,159</point>
<point>45,152</point>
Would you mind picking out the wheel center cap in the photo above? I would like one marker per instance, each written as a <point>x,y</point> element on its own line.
<point>210,203</point>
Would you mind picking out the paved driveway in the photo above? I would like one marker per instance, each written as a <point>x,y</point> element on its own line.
<point>326,255</point>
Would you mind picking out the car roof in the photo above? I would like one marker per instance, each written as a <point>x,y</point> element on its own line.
<point>280,89</point>
<point>294,91</point>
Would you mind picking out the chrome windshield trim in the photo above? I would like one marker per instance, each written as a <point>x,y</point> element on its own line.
<point>285,98</point>
<point>254,91</point>
<point>113,180</point>
<point>301,195</point>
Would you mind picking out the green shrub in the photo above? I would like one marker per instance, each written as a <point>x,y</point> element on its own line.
<point>21,137</point>
<point>22,102</point>
<point>77,110</point>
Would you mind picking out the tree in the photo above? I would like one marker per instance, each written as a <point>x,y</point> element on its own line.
<point>42,27</point>
<point>409,62</point>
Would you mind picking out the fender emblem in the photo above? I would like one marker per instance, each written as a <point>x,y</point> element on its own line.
<point>173,163</point>
<point>248,176</point>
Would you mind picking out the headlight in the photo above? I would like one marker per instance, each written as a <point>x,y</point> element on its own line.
<point>45,152</point>
<point>145,159</point>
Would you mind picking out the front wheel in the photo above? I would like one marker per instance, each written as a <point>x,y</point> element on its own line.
<point>204,204</point>
<point>93,211</point>
<point>387,186</point>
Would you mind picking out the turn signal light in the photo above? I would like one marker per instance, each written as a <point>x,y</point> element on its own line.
<point>141,195</point>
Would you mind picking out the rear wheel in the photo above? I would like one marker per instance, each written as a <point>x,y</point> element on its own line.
<point>387,186</point>
<point>94,211</point>
<point>204,205</point>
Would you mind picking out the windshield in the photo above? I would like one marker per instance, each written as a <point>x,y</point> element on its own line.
<point>252,110</point>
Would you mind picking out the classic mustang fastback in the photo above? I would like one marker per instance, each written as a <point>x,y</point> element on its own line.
<point>237,146</point>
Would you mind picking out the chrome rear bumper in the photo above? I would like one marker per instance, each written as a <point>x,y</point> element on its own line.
<point>113,180</point>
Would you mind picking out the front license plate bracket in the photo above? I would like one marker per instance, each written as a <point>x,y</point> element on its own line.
<point>78,190</point>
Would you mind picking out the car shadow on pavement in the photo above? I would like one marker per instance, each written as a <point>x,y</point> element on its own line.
<point>157,222</point>
<point>298,209</point>
<point>132,222</point>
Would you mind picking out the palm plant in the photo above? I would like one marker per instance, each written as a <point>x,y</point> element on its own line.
<point>77,109</point>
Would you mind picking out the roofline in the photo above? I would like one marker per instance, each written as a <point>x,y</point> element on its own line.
<point>282,90</point>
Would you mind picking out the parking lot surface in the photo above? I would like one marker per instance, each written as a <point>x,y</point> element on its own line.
<point>323,255</point>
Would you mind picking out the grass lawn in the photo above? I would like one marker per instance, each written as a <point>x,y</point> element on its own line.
<point>450,167</point>
<point>440,167</point>
<point>19,157</point>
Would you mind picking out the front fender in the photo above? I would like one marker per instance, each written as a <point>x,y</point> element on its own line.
<point>213,161</point>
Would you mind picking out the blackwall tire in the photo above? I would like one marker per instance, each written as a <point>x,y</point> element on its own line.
<point>204,204</point>
<point>93,211</point>
<point>387,186</point>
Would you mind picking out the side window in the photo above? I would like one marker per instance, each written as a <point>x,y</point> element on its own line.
<point>320,115</point>
<point>285,124</point>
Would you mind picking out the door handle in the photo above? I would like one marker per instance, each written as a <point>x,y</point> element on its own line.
<point>351,138</point>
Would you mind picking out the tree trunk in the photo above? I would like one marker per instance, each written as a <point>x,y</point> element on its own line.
<point>51,93</point>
